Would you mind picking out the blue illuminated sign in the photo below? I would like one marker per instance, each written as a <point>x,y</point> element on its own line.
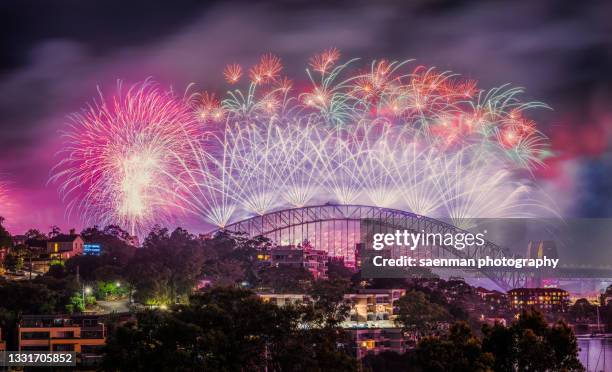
<point>91,249</point>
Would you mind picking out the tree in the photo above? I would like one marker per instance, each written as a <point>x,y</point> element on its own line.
<point>329,309</point>
<point>8,324</point>
<point>55,231</point>
<point>457,351</point>
<point>167,267</point>
<point>225,329</point>
<point>529,344</point>
<point>110,289</point>
<point>5,237</point>
<point>76,304</point>
<point>285,279</point>
<point>35,234</point>
<point>15,259</point>
<point>56,270</point>
<point>583,310</point>
<point>417,314</point>
<point>541,348</point>
<point>337,270</point>
<point>28,297</point>
<point>232,258</point>
<point>314,349</point>
<point>563,343</point>
<point>499,341</point>
<point>155,342</point>
<point>115,242</point>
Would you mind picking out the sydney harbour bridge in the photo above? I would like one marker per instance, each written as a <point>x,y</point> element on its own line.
<point>335,228</point>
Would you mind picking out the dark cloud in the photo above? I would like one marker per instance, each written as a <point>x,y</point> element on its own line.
<point>595,188</point>
<point>56,52</point>
<point>103,26</point>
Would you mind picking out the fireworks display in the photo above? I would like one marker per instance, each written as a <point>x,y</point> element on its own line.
<point>116,153</point>
<point>390,134</point>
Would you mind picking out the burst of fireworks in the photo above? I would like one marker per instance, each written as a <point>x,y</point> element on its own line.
<point>117,152</point>
<point>388,135</point>
<point>423,140</point>
<point>325,60</point>
<point>232,73</point>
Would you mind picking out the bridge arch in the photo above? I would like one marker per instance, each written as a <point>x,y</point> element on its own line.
<point>336,229</point>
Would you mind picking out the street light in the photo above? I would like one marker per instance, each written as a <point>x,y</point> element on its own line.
<point>118,284</point>
<point>86,290</point>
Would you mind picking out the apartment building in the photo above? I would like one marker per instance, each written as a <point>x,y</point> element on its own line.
<point>368,307</point>
<point>375,307</point>
<point>284,299</point>
<point>371,323</point>
<point>313,260</point>
<point>543,299</point>
<point>83,334</point>
<point>495,302</point>
<point>365,341</point>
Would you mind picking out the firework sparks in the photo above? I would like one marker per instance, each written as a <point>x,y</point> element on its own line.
<point>266,70</point>
<point>232,73</point>
<point>325,60</point>
<point>116,153</point>
<point>208,107</point>
<point>413,138</point>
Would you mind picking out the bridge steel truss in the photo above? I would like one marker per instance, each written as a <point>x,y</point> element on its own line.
<point>333,228</point>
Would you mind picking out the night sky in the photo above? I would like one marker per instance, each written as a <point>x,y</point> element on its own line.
<point>55,53</point>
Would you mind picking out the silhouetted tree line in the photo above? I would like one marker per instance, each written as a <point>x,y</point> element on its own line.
<point>528,344</point>
<point>231,329</point>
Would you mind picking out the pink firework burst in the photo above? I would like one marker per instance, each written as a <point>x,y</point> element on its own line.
<point>118,156</point>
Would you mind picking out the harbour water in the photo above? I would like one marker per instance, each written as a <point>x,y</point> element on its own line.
<point>596,354</point>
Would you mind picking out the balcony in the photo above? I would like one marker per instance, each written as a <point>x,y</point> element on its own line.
<point>62,335</point>
<point>92,334</point>
<point>35,335</point>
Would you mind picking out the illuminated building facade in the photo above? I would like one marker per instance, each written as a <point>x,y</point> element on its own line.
<point>313,260</point>
<point>496,302</point>
<point>83,334</point>
<point>372,341</point>
<point>368,307</point>
<point>374,307</point>
<point>284,299</point>
<point>64,246</point>
<point>543,299</point>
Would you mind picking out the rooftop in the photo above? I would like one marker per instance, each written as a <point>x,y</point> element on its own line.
<point>64,238</point>
<point>60,320</point>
